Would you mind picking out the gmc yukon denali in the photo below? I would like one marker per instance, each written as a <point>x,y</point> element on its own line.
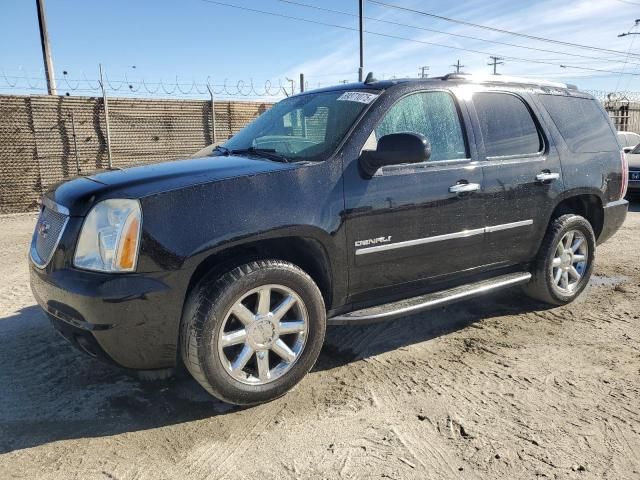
<point>356,203</point>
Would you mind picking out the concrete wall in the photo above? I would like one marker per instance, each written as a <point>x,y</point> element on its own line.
<point>37,147</point>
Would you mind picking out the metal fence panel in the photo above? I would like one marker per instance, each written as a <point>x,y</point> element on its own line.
<point>37,148</point>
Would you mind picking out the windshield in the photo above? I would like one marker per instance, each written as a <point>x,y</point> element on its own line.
<point>636,150</point>
<point>304,127</point>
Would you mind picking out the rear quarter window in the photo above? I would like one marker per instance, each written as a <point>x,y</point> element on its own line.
<point>582,123</point>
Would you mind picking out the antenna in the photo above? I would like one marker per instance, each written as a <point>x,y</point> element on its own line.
<point>369,78</point>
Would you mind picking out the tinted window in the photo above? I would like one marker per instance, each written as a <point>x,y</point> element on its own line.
<point>434,115</point>
<point>582,123</point>
<point>506,124</point>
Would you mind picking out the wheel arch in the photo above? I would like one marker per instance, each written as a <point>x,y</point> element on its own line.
<point>306,252</point>
<point>587,203</point>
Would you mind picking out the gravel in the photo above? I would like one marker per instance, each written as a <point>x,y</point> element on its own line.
<point>500,387</point>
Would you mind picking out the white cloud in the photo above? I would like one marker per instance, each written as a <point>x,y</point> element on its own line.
<point>579,21</point>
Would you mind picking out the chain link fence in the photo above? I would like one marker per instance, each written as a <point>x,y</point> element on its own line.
<point>44,139</point>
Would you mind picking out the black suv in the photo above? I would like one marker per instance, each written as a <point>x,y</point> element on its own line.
<point>354,203</point>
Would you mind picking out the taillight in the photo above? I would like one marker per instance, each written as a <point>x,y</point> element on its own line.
<point>625,174</point>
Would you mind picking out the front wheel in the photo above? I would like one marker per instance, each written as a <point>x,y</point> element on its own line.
<point>564,263</point>
<point>252,334</point>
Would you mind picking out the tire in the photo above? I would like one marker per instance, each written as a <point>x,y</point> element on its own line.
<point>551,260</point>
<point>221,308</point>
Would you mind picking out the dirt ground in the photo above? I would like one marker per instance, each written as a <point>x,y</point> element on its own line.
<point>496,388</point>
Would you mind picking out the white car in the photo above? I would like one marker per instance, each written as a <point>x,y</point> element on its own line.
<point>628,140</point>
<point>633,159</point>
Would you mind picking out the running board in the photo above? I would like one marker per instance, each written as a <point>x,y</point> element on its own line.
<point>409,306</point>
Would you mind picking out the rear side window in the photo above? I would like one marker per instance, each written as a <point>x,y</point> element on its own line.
<point>507,125</point>
<point>582,123</point>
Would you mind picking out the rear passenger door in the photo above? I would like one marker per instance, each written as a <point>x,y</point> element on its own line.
<point>521,174</point>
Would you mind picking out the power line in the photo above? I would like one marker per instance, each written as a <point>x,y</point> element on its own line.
<point>499,30</point>
<point>396,37</point>
<point>459,35</point>
<point>624,66</point>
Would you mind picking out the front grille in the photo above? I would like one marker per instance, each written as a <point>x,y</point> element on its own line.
<point>634,176</point>
<point>47,235</point>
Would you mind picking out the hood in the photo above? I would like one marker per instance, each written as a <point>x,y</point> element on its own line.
<point>81,193</point>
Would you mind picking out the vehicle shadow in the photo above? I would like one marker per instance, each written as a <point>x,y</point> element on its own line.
<point>52,392</point>
<point>345,344</point>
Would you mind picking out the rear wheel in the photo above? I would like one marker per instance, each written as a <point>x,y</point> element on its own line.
<point>252,334</point>
<point>564,263</point>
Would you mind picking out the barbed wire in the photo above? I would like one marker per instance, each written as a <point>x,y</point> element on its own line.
<point>226,88</point>
<point>614,99</point>
<point>142,86</point>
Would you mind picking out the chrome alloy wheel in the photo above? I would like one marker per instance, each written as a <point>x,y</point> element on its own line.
<point>263,334</point>
<point>570,262</point>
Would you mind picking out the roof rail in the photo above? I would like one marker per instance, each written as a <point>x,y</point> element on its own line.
<point>505,79</point>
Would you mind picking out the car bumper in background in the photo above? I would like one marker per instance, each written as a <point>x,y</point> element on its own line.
<point>614,215</point>
<point>132,320</point>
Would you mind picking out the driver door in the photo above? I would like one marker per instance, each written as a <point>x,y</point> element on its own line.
<point>407,224</point>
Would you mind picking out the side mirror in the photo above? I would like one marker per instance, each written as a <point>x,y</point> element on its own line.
<point>395,149</point>
<point>627,149</point>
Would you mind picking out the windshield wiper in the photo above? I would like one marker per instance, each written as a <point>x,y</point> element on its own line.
<point>269,153</point>
<point>223,150</point>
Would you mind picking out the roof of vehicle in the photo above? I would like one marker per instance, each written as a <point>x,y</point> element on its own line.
<point>452,78</point>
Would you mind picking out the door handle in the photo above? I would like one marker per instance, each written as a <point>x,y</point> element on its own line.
<point>547,176</point>
<point>464,187</point>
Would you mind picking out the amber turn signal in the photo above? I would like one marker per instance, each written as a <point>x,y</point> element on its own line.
<point>129,243</point>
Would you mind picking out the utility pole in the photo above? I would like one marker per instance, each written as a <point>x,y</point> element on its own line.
<point>361,68</point>
<point>422,70</point>
<point>46,50</point>
<point>457,66</point>
<point>301,82</point>
<point>495,63</point>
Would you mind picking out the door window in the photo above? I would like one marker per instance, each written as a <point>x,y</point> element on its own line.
<point>434,115</point>
<point>507,125</point>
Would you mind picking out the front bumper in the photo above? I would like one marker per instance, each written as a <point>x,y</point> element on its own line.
<point>134,318</point>
<point>613,218</point>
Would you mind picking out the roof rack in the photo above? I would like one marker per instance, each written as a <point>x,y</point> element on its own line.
<point>506,79</point>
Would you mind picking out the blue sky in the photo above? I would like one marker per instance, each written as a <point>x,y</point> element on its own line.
<point>194,41</point>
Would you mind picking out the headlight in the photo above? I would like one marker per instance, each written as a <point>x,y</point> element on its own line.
<point>110,237</point>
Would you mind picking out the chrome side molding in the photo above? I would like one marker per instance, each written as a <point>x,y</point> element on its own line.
<point>446,236</point>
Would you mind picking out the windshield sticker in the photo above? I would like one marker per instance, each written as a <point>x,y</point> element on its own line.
<point>360,97</point>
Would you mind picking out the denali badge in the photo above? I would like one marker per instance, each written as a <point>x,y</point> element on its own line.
<point>373,241</point>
